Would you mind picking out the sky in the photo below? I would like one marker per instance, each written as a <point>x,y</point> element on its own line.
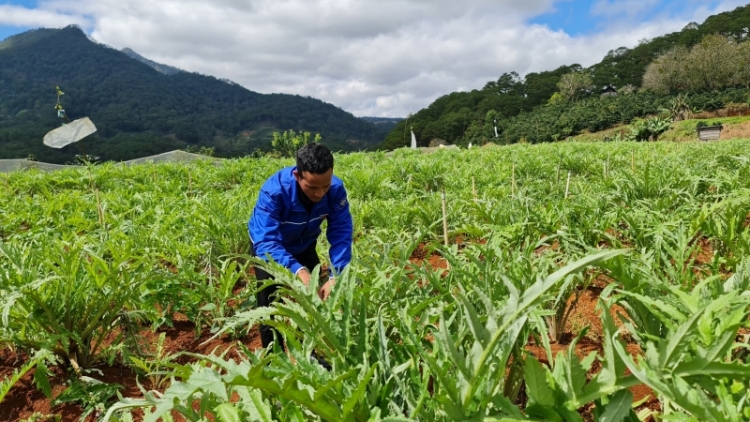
<point>383,58</point>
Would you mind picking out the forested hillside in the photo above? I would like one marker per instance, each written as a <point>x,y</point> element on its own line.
<point>140,111</point>
<point>551,105</point>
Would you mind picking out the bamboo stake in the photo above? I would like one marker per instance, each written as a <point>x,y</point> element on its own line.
<point>513,181</point>
<point>474,189</point>
<point>607,166</point>
<point>567,185</point>
<point>99,210</point>
<point>91,177</point>
<point>445,219</point>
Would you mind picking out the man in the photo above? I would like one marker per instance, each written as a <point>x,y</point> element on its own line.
<point>286,221</point>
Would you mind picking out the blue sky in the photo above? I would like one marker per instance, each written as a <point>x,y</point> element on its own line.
<point>579,17</point>
<point>7,30</point>
<point>383,58</point>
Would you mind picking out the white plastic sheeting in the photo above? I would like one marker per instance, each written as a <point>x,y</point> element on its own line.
<point>177,156</point>
<point>7,166</point>
<point>69,133</point>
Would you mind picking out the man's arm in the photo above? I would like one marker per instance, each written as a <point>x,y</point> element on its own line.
<point>264,228</point>
<point>339,233</point>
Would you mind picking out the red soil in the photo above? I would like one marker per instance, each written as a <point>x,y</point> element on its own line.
<point>585,314</point>
<point>25,399</point>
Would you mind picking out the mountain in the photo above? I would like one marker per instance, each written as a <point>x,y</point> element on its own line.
<point>384,124</point>
<point>513,101</point>
<point>140,111</point>
<point>161,68</point>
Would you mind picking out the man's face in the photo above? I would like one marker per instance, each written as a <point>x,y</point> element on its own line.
<point>314,186</point>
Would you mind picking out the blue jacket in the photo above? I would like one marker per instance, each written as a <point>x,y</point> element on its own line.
<point>280,227</point>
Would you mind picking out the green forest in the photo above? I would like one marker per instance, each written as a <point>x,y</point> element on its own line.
<point>552,105</point>
<point>139,111</point>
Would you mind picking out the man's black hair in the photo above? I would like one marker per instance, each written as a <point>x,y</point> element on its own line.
<point>314,158</point>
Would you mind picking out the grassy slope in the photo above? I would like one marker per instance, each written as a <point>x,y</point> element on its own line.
<point>734,128</point>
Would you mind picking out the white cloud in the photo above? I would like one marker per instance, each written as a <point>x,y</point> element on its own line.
<point>369,57</point>
<point>21,16</point>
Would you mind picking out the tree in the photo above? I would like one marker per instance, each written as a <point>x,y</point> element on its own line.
<point>609,70</point>
<point>541,86</point>
<point>574,85</point>
<point>289,142</point>
<point>712,63</point>
<point>556,98</point>
<point>627,89</point>
<point>742,76</point>
<point>667,73</point>
<point>507,83</point>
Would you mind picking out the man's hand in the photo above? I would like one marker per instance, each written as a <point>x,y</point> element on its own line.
<point>325,291</point>
<point>304,276</point>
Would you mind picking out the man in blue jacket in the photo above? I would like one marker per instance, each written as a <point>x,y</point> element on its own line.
<point>286,221</point>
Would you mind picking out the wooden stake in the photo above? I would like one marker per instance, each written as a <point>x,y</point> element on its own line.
<point>474,189</point>
<point>567,185</point>
<point>445,220</point>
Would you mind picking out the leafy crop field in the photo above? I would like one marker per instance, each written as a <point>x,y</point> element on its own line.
<point>581,281</point>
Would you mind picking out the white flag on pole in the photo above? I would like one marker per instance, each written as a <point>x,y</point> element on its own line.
<point>67,134</point>
<point>413,140</point>
<point>495,131</point>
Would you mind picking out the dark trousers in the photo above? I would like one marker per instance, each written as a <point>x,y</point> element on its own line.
<point>308,258</point>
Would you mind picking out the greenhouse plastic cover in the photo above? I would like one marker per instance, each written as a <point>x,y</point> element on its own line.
<point>67,134</point>
<point>176,156</point>
<point>7,166</point>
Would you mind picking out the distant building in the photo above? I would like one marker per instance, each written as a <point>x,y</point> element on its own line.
<point>710,133</point>
<point>608,91</point>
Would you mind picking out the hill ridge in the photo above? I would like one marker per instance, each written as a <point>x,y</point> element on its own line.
<point>141,112</point>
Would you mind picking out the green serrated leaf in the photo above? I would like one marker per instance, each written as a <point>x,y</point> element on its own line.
<point>536,382</point>
<point>618,408</point>
<point>227,412</point>
<point>41,379</point>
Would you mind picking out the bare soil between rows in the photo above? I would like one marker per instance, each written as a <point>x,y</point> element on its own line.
<point>25,400</point>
